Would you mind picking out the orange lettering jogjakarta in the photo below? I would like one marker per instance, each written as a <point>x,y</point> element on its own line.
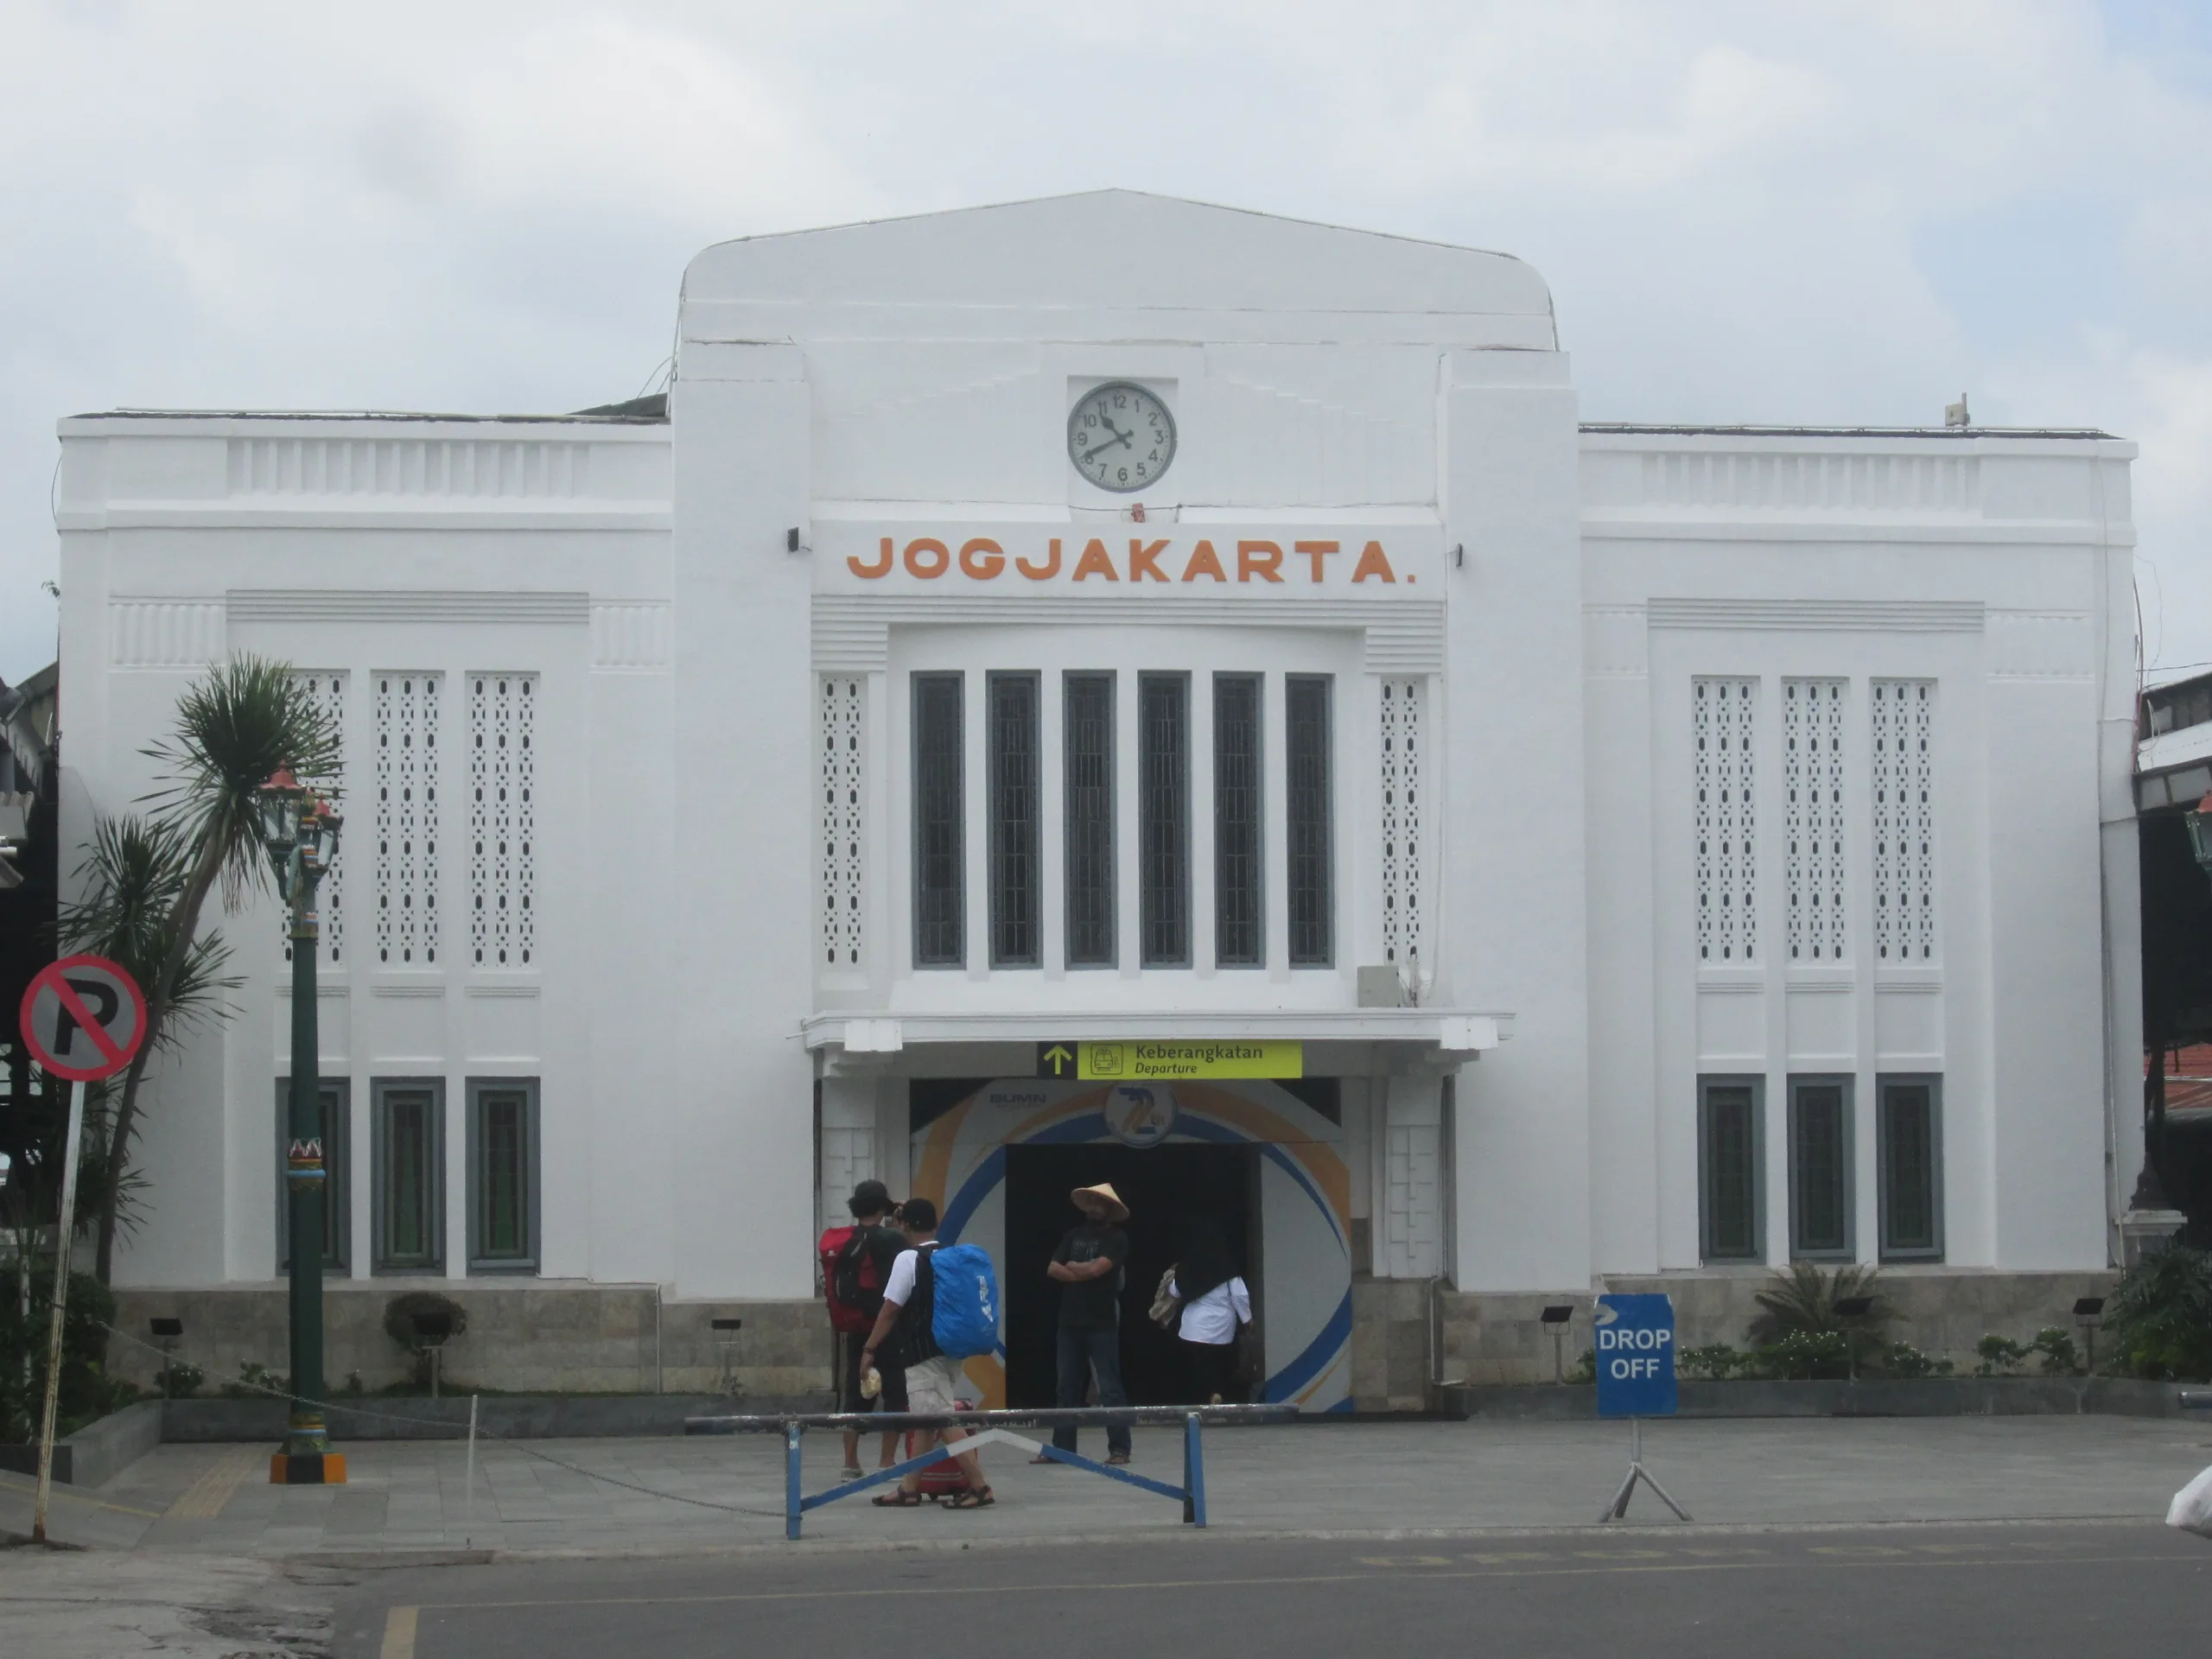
<point>1144,559</point>
<point>1261,558</point>
<point>1204,562</point>
<point>1372,563</point>
<point>981,558</point>
<point>880,568</point>
<point>1095,563</point>
<point>1043,572</point>
<point>928,558</point>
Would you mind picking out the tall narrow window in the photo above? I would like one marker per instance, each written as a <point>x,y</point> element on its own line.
<point>1820,1167</point>
<point>1909,1152</point>
<point>1016,877</point>
<point>503,1209</point>
<point>1163,817</point>
<point>940,885</point>
<point>1727,875</point>
<point>409,1175</point>
<point>1308,834</point>
<point>1400,747</point>
<point>1812,810</point>
<point>1236,890</point>
<point>503,820</point>
<point>1730,1225</point>
<point>406,863</point>
<point>338,1176</point>
<point>1904,721</point>
<point>842,706</point>
<point>1088,755</point>
<point>327,692</point>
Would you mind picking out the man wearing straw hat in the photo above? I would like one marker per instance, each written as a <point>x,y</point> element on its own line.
<point>1088,1266</point>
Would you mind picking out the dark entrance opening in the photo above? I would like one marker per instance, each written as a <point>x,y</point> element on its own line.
<point>1165,1187</point>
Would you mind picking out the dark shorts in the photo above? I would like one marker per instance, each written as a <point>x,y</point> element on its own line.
<point>894,1397</point>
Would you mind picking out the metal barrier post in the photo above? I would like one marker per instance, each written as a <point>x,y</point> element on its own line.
<point>1194,1474</point>
<point>792,1432</point>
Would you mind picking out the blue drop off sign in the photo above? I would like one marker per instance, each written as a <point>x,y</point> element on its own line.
<point>1635,1356</point>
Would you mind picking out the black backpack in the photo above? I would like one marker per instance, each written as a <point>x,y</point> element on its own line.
<point>864,1268</point>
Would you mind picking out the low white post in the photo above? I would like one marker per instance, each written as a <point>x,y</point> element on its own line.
<point>468,1487</point>
<point>65,1227</point>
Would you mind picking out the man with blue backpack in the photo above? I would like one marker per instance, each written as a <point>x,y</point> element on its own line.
<point>939,1307</point>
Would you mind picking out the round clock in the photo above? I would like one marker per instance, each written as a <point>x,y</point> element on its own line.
<point>1120,436</point>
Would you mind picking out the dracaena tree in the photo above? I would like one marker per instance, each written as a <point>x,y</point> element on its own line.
<point>248,719</point>
<point>131,877</point>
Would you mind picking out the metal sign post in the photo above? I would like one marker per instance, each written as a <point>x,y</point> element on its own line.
<point>1636,1380</point>
<point>83,1019</point>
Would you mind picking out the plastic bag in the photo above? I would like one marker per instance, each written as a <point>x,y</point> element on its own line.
<point>2192,1507</point>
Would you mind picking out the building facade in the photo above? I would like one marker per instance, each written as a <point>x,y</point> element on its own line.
<point>1109,619</point>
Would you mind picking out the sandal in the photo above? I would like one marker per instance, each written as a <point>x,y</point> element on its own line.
<point>1118,1461</point>
<point>898,1498</point>
<point>850,1472</point>
<point>976,1497</point>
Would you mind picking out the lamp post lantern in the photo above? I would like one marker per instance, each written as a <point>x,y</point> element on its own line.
<point>300,831</point>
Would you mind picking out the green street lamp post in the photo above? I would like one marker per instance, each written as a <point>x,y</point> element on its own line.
<point>300,832</point>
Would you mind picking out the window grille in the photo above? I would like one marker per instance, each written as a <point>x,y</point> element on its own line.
<point>1819,1168</point>
<point>1308,852</point>
<point>503,1163</point>
<point>1089,759</point>
<point>842,701</point>
<point>1812,767</point>
<point>1016,875</point>
<point>328,691</point>
<point>1236,807</point>
<point>503,820</point>
<point>1730,1225</point>
<point>1722,713</point>
<point>407,820</point>
<point>1909,1152</point>
<point>1402,794</point>
<point>1164,815</point>
<point>408,1175</point>
<point>940,885</point>
<point>1904,722</point>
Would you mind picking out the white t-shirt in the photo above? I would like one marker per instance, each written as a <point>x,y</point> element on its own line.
<point>899,1289</point>
<point>1212,1319</point>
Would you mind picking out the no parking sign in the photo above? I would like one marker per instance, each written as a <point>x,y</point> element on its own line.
<point>83,1018</point>
<point>1635,1356</point>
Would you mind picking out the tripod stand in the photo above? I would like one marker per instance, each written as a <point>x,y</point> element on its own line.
<point>1619,1508</point>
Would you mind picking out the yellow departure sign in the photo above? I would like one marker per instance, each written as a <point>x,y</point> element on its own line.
<point>1145,1061</point>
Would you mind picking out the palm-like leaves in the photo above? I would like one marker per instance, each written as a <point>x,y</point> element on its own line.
<point>132,877</point>
<point>246,720</point>
<point>1803,1298</point>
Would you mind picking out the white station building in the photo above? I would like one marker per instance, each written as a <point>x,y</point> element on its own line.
<point>1663,853</point>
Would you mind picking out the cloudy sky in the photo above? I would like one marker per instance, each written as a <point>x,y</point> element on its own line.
<point>1747,212</point>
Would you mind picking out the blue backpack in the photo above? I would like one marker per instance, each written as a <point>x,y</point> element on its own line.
<point>965,1314</point>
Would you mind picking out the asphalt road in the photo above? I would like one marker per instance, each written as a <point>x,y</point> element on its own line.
<point>1902,1592</point>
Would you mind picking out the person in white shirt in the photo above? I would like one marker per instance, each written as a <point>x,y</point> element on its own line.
<point>1216,1303</point>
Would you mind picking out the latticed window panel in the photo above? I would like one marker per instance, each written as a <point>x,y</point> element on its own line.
<point>1724,717</point>
<point>843,702</point>
<point>502,820</point>
<point>1902,719</point>
<point>1308,825</point>
<point>406,712</point>
<point>328,692</point>
<point>1164,819</point>
<point>1088,806</point>
<point>1238,907</point>
<point>1015,804</point>
<point>1403,754</point>
<point>1812,782</point>
<point>940,884</point>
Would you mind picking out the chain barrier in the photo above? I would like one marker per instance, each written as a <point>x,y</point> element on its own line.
<point>446,1430</point>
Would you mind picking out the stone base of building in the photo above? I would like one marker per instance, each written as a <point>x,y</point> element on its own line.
<point>537,1337</point>
<point>1408,1336</point>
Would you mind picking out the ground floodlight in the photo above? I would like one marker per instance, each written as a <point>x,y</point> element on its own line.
<point>725,1324</point>
<point>167,1327</point>
<point>1557,1313</point>
<point>1553,1319</point>
<point>2089,1308</point>
<point>1854,1307</point>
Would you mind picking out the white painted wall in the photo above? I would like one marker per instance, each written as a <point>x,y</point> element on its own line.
<point>1556,592</point>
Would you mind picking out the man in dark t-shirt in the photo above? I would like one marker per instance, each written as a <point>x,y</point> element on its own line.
<point>1089,1268</point>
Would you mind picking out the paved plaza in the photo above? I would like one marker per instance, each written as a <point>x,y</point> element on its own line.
<point>605,1497</point>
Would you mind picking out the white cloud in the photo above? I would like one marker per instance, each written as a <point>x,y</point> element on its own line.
<point>1848,209</point>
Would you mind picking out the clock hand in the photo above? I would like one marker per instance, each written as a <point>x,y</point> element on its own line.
<point>1119,437</point>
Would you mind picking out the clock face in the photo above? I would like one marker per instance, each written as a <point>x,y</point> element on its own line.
<point>1120,437</point>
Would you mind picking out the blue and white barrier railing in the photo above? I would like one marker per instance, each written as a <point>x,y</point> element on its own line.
<point>994,1428</point>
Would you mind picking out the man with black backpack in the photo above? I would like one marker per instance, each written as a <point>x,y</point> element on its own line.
<point>856,1267</point>
<point>906,1329</point>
